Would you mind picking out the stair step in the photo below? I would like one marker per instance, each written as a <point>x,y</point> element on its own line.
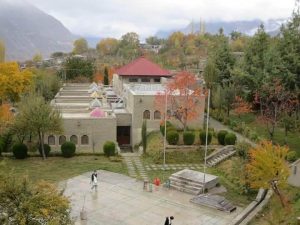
<point>176,178</point>
<point>186,190</point>
<point>186,185</point>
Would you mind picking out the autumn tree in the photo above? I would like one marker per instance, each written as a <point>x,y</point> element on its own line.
<point>2,52</point>
<point>107,47</point>
<point>39,118</point>
<point>22,202</point>
<point>267,168</point>
<point>13,82</point>
<point>241,106</point>
<point>80,46</point>
<point>184,98</point>
<point>6,117</point>
<point>275,102</point>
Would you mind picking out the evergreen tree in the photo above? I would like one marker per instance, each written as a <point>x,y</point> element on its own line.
<point>144,136</point>
<point>223,60</point>
<point>106,80</point>
<point>289,47</point>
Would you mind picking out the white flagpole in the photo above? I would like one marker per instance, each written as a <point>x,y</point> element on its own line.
<point>206,138</point>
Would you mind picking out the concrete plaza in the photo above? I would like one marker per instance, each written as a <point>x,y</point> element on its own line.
<point>121,200</point>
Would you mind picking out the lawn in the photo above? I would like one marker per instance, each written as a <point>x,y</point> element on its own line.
<point>229,172</point>
<point>55,169</point>
<point>293,138</point>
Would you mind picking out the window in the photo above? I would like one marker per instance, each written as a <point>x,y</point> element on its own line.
<point>133,80</point>
<point>157,80</point>
<point>84,140</point>
<point>62,139</point>
<point>146,115</point>
<point>74,139</point>
<point>157,115</point>
<point>51,140</point>
<point>146,80</point>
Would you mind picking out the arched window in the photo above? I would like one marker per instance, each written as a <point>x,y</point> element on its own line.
<point>74,139</point>
<point>157,115</point>
<point>51,140</point>
<point>84,140</point>
<point>62,139</point>
<point>146,115</point>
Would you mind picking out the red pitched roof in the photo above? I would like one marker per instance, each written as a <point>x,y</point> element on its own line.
<point>142,67</point>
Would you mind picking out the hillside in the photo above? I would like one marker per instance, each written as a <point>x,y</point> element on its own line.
<point>26,30</point>
<point>248,27</point>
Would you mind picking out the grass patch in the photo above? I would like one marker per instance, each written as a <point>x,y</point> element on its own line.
<point>55,169</point>
<point>273,213</point>
<point>293,140</point>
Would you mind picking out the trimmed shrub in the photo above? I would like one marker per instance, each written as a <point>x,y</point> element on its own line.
<point>291,156</point>
<point>188,137</point>
<point>68,149</point>
<point>47,150</point>
<point>221,137</point>
<point>169,125</point>
<point>172,137</point>
<point>20,151</point>
<point>230,139</point>
<point>109,148</point>
<point>202,137</point>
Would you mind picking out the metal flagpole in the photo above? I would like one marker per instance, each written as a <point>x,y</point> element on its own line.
<point>206,138</point>
<point>165,131</point>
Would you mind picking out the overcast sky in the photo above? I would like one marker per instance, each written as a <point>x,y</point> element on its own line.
<point>103,18</point>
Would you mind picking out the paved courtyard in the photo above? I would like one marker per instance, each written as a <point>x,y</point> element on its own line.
<point>121,200</point>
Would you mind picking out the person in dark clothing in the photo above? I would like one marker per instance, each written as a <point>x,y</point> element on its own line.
<point>169,220</point>
<point>94,180</point>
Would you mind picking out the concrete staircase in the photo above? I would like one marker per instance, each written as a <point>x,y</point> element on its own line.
<point>220,155</point>
<point>185,185</point>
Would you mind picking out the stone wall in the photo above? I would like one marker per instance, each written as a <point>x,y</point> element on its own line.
<point>98,131</point>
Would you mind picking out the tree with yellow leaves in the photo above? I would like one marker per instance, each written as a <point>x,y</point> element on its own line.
<point>13,81</point>
<point>6,117</point>
<point>267,168</point>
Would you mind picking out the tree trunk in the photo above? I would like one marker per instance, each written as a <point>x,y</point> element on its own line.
<point>278,193</point>
<point>41,139</point>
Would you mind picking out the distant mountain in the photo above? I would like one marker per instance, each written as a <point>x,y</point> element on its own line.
<point>26,30</point>
<point>246,27</point>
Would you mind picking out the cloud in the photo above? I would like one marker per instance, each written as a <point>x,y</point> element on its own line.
<point>103,18</point>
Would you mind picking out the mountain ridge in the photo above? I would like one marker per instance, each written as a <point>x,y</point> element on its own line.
<point>26,31</point>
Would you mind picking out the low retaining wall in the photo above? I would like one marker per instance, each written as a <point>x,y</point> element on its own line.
<point>253,208</point>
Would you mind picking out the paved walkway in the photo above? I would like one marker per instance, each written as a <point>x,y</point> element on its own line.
<point>120,200</point>
<point>173,166</point>
<point>219,126</point>
<point>134,165</point>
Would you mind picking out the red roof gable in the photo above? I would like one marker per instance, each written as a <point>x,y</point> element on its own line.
<point>142,67</point>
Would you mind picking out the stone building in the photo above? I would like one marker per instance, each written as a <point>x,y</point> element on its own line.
<point>93,114</point>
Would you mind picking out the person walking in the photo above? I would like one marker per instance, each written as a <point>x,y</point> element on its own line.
<point>94,180</point>
<point>169,220</point>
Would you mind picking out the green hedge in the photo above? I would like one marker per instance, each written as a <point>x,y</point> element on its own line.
<point>221,136</point>
<point>169,126</point>
<point>109,148</point>
<point>172,137</point>
<point>47,150</point>
<point>291,156</point>
<point>230,139</point>
<point>188,137</point>
<point>20,151</point>
<point>68,149</point>
<point>202,137</point>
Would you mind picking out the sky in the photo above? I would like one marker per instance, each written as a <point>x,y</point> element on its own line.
<point>113,18</point>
